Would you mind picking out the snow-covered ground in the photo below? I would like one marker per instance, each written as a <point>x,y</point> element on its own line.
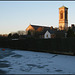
<point>28,62</point>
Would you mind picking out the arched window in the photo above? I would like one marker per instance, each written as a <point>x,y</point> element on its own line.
<point>61,16</point>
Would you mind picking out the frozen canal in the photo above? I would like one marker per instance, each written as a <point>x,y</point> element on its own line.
<point>28,62</point>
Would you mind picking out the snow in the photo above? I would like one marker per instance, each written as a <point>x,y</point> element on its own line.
<point>28,62</point>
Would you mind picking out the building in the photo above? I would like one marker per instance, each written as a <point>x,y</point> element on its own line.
<point>41,31</point>
<point>63,18</point>
<point>46,34</point>
<point>50,32</point>
<point>36,28</point>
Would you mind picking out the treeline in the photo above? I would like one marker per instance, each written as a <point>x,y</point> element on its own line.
<point>45,45</point>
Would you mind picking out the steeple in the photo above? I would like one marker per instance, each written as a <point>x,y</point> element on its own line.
<point>63,18</point>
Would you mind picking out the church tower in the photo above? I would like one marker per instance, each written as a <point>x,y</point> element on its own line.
<point>63,18</point>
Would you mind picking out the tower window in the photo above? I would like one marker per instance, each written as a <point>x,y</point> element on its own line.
<point>61,16</point>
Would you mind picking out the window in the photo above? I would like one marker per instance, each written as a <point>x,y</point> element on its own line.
<point>61,16</point>
<point>47,35</point>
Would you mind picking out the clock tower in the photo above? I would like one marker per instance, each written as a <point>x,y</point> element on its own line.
<point>63,18</point>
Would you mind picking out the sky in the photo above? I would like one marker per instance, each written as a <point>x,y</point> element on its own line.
<point>18,15</point>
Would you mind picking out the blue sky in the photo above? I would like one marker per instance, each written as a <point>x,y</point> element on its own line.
<point>17,15</point>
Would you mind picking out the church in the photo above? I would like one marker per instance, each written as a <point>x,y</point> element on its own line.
<point>63,25</point>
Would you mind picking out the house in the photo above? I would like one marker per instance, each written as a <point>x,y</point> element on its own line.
<point>46,34</point>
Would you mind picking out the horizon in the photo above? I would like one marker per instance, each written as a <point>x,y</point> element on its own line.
<point>18,15</point>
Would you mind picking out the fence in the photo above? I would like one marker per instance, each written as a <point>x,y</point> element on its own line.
<point>47,45</point>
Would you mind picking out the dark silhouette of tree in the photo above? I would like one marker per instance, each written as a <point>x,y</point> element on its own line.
<point>15,35</point>
<point>29,32</point>
<point>36,34</point>
<point>70,33</point>
<point>9,35</point>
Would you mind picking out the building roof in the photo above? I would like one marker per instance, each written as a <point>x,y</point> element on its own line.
<point>63,6</point>
<point>49,30</point>
<point>36,27</point>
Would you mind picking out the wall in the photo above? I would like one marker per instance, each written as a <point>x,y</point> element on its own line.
<point>30,28</point>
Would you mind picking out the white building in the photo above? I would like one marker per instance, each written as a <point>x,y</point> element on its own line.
<point>47,35</point>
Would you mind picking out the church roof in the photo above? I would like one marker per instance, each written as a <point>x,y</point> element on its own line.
<point>64,7</point>
<point>36,27</point>
<point>44,30</point>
